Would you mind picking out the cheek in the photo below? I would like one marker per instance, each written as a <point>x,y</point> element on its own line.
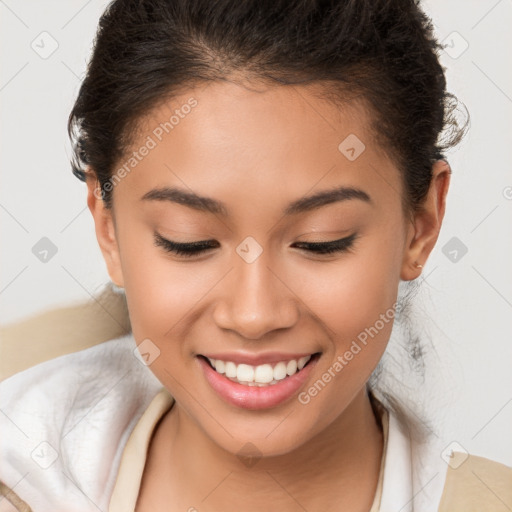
<point>351,293</point>
<point>160,292</point>
<point>164,298</point>
<point>354,299</point>
<point>356,306</point>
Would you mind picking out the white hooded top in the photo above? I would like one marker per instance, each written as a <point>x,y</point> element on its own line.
<point>67,424</point>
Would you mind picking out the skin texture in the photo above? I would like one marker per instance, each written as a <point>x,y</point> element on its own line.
<point>257,151</point>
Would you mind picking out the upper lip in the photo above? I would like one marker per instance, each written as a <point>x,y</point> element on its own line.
<point>256,359</point>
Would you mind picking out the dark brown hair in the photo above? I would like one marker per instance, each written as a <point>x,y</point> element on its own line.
<point>382,51</point>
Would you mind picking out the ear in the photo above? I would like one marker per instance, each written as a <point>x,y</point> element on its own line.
<point>426,224</point>
<point>105,228</point>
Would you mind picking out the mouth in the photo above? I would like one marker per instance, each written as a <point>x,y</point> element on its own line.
<point>257,386</point>
<point>267,374</point>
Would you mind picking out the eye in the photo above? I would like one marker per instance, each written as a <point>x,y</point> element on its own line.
<point>191,249</point>
<point>341,245</point>
<point>188,249</point>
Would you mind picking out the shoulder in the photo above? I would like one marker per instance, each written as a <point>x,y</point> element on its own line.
<point>63,330</point>
<point>421,474</point>
<point>64,424</point>
<point>477,484</point>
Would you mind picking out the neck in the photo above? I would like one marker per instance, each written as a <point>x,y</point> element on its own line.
<point>343,461</point>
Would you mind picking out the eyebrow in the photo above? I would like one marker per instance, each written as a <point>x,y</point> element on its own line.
<point>210,205</point>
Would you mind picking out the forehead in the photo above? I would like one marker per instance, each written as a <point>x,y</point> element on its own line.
<point>259,117</point>
<point>225,139</point>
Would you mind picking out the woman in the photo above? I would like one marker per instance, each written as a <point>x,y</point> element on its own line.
<point>262,177</point>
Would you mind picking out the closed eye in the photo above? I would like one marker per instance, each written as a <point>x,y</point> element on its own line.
<point>334,246</point>
<point>191,249</point>
<point>184,249</point>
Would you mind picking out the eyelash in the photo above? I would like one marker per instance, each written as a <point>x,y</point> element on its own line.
<point>192,249</point>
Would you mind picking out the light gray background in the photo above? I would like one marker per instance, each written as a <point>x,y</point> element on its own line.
<point>466,304</point>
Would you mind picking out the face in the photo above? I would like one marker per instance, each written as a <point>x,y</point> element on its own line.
<point>303,243</point>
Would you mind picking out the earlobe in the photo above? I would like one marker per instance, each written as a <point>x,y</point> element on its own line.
<point>427,223</point>
<point>105,229</point>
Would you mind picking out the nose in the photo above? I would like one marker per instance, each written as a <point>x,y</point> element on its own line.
<point>256,300</point>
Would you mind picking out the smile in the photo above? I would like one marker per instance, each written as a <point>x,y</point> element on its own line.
<point>261,375</point>
<point>271,380</point>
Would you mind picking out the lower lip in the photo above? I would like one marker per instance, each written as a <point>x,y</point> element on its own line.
<point>255,397</point>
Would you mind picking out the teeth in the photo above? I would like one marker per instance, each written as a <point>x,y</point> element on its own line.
<point>302,362</point>
<point>244,372</point>
<point>220,366</point>
<point>230,368</point>
<point>291,367</point>
<point>280,371</point>
<point>262,375</point>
